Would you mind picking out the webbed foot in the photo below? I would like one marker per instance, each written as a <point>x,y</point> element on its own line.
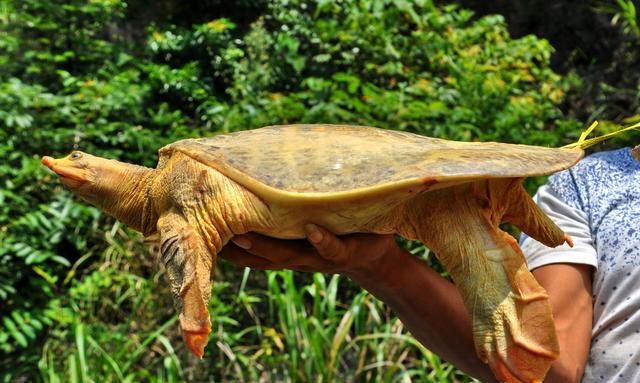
<point>518,339</point>
<point>189,266</point>
<point>522,349</point>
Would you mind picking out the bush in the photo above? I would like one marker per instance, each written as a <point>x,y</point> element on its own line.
<point>599,43</point>
<point>81,298</point>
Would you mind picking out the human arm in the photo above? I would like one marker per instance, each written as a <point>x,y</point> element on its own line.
<point>428,305</point>
<point>566,273</point>
<point>569,289</point>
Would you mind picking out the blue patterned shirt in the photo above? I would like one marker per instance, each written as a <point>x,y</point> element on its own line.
<point>597,202</point>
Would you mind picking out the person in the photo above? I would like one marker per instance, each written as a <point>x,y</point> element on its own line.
<point>598,203</point>
<point>594,287</point>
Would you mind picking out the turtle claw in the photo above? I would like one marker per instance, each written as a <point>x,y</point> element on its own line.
<point>506,373</point>
<point>196,341</point>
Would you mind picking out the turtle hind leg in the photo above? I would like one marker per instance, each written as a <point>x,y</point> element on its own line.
<point>512,323</point>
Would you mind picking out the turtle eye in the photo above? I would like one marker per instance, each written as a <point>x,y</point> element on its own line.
<point>75,155</point>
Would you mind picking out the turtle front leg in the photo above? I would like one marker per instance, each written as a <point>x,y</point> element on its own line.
<point>189,265</point>
<point>513,326</point>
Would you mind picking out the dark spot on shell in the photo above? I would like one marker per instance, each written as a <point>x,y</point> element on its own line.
<point>428,182</point>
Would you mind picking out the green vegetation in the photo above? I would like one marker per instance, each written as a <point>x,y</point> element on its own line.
<point>82,299</point>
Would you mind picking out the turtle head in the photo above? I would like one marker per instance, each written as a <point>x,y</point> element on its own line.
<point>96,180</point>
<point>118,188</point>
<point>77,171</point>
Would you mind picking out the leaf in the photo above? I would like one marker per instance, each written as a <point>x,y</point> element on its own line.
<point>25,328</point>
<point>13,331</point>
<point>83,372</point>
<point>352,81</point>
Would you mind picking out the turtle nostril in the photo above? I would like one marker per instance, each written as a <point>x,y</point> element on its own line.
<point>47,161</point>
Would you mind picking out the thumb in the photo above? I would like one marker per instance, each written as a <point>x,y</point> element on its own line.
<point>328,245</point>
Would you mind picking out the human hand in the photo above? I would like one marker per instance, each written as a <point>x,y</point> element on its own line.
<point>354,255</point>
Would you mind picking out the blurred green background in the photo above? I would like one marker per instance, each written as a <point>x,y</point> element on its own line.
<point>82,299</point>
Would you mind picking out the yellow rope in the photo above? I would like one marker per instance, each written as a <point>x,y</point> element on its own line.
<point>584,142</point>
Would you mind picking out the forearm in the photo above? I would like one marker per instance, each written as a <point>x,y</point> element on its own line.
<point>429,306</point>
<point>569,288</point>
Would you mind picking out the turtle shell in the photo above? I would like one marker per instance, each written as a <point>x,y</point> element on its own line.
<point>303,160</point>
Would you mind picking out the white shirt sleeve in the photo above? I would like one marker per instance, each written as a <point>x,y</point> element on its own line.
<point>573,222</point>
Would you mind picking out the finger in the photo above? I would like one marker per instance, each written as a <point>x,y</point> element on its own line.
<point>240,257</point>
<point>274,250</point>
<point>328,245</point>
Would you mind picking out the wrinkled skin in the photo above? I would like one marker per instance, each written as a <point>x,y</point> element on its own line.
<point>192,211</point>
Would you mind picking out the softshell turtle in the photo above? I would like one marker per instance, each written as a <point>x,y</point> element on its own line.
<point>450,195</point>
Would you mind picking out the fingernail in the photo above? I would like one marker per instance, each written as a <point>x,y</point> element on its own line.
<point>313,233</point>
<point>242,242</point>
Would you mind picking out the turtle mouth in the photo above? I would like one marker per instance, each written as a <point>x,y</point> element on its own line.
<point>65,172</point>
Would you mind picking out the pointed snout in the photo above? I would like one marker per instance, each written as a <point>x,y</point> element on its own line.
<point>48,161</point>
<point>71,172</point>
